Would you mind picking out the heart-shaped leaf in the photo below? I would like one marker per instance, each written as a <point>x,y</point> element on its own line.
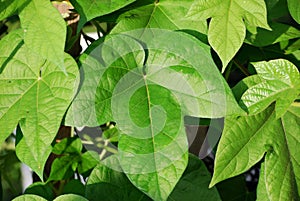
<point>147,92</point>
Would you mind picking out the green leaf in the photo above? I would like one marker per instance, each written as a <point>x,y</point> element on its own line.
<point>68,146</point>
<point>63,167</point>
<point>149,105</point>
<point>234,189</point>
<point>293,47</point>
<point>88,161</point>
<point>159,15</point>
<point>9,7</point>
<point>294,8</point>
<point>239,89</point>
<point>44,31</point>
<point>281,80</point>
<point>246,140</point>
<point>29,198</point>
<point>229,18</point>
<point>112,134</point>
<point>70,197</point>
<point>36,93</point>
<point>108,182</point>
<point>40,189</point>
<point>89,9</point>
<point>280,32</point>
<point>193,185</point>
<point>74,187</point>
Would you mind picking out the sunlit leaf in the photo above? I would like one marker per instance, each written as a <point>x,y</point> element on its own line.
<point>36,93</point>
<point>246,140</point>
<point>148,96</point>
<point>229,19</point>
<point>44,31</point>
<point>159,15</point>
<point>281,83</point>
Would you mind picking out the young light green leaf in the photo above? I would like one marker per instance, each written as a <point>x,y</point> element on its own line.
<point>159,15</point>
<point>281,83</point>
<point>35,93</point>
<point>29,198</point>
<point>227,28</point>
<point>9,7</point>
<point>246,140</point>
<point>70,197</point>
<point>89,9</point>
<point>108,182</point>
<point>193,185</point>
<point>44,31</point>
<point>294,8</point>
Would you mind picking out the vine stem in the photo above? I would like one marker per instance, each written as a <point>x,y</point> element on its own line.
<point>241,67</point>
<point>103,152</point>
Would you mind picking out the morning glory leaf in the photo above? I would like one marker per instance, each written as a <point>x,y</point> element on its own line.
<point>229,19</point>
<point>247,139</point>
<point>147,92</point>
<point>44,30</point>
<point>89,9</point>
<point>159,15</point>
<point>281,83</point>
<point>294,8</point>
<point>39,92</point>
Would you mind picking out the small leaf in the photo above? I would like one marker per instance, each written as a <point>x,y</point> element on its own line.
<point>112,134</point>
<point>63,167</point>
<point>108,182</point>
<point>89,9</point>
<point>227,28</point>
<point>70,197</point>
<point>68,146</point>
<point>88,161</point>
<point>281,80</point>
<point>44,31</point>
<point>294,8</point>
<point>29,198</point>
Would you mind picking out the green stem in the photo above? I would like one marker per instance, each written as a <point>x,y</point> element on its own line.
<point>241,67</point>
